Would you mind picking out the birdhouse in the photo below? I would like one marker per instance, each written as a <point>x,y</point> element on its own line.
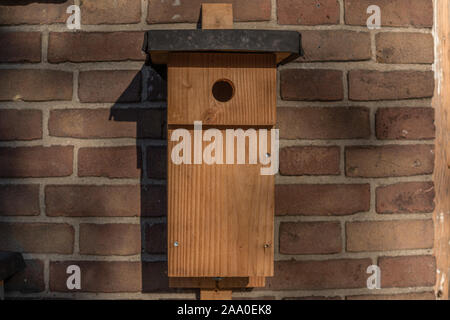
<point>222,148</point>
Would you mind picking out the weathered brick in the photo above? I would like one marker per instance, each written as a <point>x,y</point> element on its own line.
<point>182,11</point>
<point>327,45</point>
<point>157,162</point>
<point>156,238</point>
<point>402,296</point>
<point>110,11</point>
<point>111,162</point>
<point>394,13</point>
<point>308,12</point>
<point>35,85</point>
<point>309,161</point>
<point>389,160</point>
<point>95,46</point>
<point>396,47</point>
<point>110,239</point>
<point>408,271</point>
<point>405,123</point>
<point>22,162</point>
<point>406,197</point>
<point>37,237</point>
<point>105,201</point>
<point>322,199</point>
<point>327,274</point>
<point>366,85</point>
<point>20,46</point>
<point>29,280</point>
<point>310,85</point>
<point>308,237</point>
<point>106,123</point>
<point>323,123</point>
<point>110,86</point>
<point>20,124</point>
<point>19,200</point>
<point>389,235</point>
<point>37,12</point>
<point>98,276</point>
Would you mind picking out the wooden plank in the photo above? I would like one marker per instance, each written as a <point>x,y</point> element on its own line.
<point>193,75</point>
<point>220,216</point>
<point>215,294</point>
<point>211,283</point>
<point>441,104</point>
<point>217,16</point>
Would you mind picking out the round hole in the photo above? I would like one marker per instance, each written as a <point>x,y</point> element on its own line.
<point>223,90</point>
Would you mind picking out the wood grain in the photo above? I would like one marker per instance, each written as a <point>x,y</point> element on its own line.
<point>217,16</point>
<point>192,76</point>
<point>221,216</point>
<point>215,294</point>
<point>441,177</point>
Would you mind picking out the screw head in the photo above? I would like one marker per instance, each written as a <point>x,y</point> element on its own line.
<point>175,244</point>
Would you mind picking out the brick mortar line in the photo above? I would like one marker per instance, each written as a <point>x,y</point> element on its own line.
<point>341,12</point>
<point>132,142</point>
<point>364,65</point>
<point>410,103</point>
<point>348,180</point>
<point>353,255</point>
<point>144,26</point>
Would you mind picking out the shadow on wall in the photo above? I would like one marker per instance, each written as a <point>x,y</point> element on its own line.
<point>151,155</point>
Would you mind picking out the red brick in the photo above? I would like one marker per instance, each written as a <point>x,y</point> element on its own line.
<point>98,276</point>
<point>308,237</point>
<point>309,161</point>
<point>37,12</point>
<point>311,275</point>
<point>405,123</point>
<point>110,11</point>
<point>20,46</point>
<point>19,200</point>
<point>24,162</point>
<point>156,238</point>
<point>20,124</point>
<point>37,237</point>
<point>402,296</point>
<point>105,201</point>
<point>182,11</point>
<point>157,162</point>
<point>394,13</point>
<point>323,123</point>
<point>95,46</point>
<point>29,280</point>
<point>389,160</point>
<point>389,235</point>
<point>310,85</point>
<point>106,123</point>
<point>327,45</point>
<point>366,85</point>
<point>35,85</point>
<point>406,197</point>
<point>322,199</point>
<point>308,12</point>
<point>110,239</point>
<point>408,271</point>
<point>110,86</point>
<point>396,47</point>
<point>110,162</point>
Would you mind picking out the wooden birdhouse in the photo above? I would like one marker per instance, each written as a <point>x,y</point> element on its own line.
<point>222,149</point>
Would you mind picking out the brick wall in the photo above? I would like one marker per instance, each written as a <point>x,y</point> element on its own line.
<point>82,148</point>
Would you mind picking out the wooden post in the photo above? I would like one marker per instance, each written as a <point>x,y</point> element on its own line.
<point>441,179</point>
<point>216,16</point>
